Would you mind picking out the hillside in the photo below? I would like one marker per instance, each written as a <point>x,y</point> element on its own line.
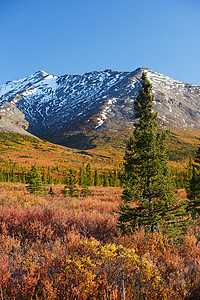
<point>91,110</point>
<point>26,150</point>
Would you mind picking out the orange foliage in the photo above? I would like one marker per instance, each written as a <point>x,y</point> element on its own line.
<point>56,247</point>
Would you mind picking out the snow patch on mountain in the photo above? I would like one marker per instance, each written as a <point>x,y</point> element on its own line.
<point>29,92</point>
<point>106,110</point>
<point>48,101</point>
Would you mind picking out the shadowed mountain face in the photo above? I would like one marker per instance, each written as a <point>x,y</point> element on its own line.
<point>67,109</point>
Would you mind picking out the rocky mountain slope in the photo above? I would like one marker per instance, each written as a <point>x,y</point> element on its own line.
<point>67,109</point>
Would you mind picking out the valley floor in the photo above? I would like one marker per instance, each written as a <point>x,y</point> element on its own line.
<point>56,247</point>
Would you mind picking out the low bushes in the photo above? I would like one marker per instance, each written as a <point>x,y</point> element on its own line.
<point>56,247</point>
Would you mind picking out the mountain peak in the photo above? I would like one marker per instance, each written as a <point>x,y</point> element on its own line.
<point>57,106</point>
<point>40,73</point>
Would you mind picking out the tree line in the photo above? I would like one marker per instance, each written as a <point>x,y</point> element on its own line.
<point>12,172</point>
<point>54,175</point>
<point>85,178</point>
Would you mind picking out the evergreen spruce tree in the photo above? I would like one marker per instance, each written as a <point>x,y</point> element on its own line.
<point>115,180</point>
<point>49,177</point>
<point>34,180</point>
<point>44,177</point>
<point>85,180</point>
<point>50,180</point>
<point>105,179</point>
<point>148,197</point>
<point>70,189</point>
<point>89,175</point>
<point>193,187</point>
<point>23,177</point>
<point>111,179</point>
<point>12,179</point>
<point>85,187</point>
<point>65,177</point>
<point>8,178</point>
<point>96,179</point>
<point>4,175</point>
<point>81,177</point>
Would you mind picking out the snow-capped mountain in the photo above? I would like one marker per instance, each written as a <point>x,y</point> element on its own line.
<point>55,107</point>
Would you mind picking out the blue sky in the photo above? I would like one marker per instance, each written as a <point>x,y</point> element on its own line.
<point>78,36</point>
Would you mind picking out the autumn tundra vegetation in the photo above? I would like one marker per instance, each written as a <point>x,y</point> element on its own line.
<point>86,225</point>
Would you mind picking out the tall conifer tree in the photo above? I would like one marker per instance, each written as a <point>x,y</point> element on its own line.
<point>81,176</point>
<point>70,189</point>
<point>34,180</point>
<point>148,198</point>
<point>193,187</point>
<point>96,179</point>
<point>105,179</point>
<point>89,175</point>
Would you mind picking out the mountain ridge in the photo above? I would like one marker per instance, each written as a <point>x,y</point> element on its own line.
<point>63,108</point>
